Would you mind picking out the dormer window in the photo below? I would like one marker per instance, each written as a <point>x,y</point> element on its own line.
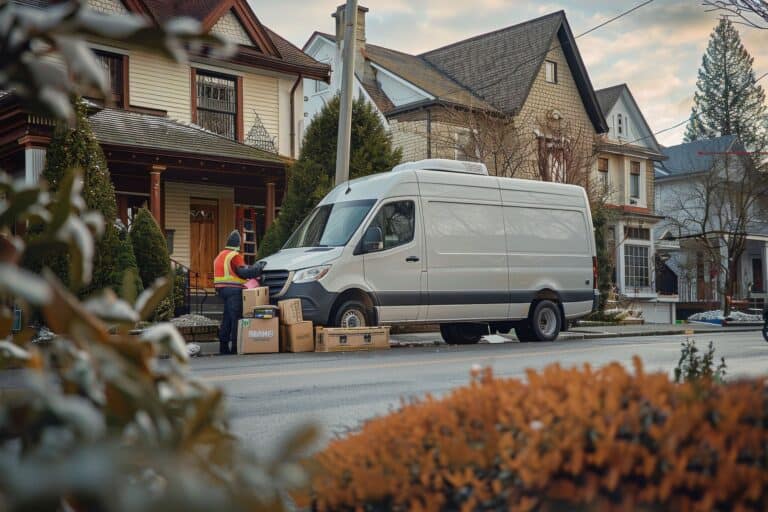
<point>619,125</point>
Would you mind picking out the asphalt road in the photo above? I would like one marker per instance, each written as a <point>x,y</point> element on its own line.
<point>270,394</point>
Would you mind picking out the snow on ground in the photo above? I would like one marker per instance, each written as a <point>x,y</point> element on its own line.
<point>735,316</point>
<point>193,321</point>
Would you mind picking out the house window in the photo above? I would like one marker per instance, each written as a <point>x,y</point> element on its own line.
<point>602,174</point>
<point>634,180</point>
<point>463,145</point>
<point>553,159</point>
<point>112,63</point>
<point>321,86</point>
<point>636,266</point>
<point>637,233</point>
<point>217,103</point>
<point>550,71</point>
<point>619,124</point>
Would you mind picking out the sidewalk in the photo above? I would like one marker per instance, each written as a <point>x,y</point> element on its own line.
<point>589,332</point>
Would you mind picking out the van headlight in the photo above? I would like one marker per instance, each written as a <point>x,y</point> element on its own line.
<point>307,275</point>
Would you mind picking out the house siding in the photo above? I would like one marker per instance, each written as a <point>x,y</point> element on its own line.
<point>230,27</point>
<point>260,96</point>
<point>177,200</point>
<point>108,6</point>
<point>410,137</point>
<point>562,96</point>
<point>161,84</point>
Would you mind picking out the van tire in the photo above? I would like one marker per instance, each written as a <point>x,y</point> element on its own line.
<point>462,334</point>
<point>352,312</point>
<point>546,321</point>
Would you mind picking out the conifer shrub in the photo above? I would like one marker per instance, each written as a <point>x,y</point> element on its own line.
<point>149,247</point>
<point>567,439</point>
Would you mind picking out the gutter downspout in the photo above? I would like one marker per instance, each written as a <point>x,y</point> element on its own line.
<point>429,133</point>
<point>293,115</point>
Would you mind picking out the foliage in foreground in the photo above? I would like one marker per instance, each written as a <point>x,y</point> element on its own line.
<point>313,174</point>
<point>575,439</point>
<point>101,422</point>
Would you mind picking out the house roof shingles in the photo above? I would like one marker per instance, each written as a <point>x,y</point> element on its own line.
<point>499,66</point>
<point>608,97</point>
<point>132,129</point>
<point>692,157</point>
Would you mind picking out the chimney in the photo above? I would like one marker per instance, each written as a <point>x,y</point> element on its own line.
<point>362,69</point>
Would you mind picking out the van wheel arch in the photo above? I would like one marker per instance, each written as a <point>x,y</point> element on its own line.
<point>355,294</point>
<point>552,295</point>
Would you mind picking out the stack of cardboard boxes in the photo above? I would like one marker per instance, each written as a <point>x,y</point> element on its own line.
<point>269,329</point>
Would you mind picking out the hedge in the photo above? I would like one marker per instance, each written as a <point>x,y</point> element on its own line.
<point>565,439</point>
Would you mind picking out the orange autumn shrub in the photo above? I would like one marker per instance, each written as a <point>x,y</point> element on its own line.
<point>567,439</point>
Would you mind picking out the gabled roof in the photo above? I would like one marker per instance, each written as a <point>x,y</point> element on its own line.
<point>693,157</point>
<point>269,50</point>
<point>493,71</point>
<point>382,101</point>
<point>118,127</point>
<point>607,99</point>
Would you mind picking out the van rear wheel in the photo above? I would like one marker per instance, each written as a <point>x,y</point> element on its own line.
<point>545,321</point>
<point>462,334</point>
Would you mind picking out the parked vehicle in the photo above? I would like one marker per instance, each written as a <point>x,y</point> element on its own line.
<point>441,242</point>
<point>765,324</point>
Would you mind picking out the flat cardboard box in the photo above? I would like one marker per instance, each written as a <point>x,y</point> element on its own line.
<point>254,297</point>
<point>257,336</point>
<point>336,339</point>
<point>298,337</point>
<point>290,311</point>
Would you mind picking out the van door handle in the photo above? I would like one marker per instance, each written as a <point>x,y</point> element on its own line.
<point>412,259</point>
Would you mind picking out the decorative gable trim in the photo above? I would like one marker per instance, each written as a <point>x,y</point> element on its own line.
<point>252,26</point>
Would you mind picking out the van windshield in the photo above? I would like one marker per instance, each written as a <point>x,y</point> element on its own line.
<point>330,225</point>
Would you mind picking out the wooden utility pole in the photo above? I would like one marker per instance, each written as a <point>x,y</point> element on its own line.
<point>347,83</point>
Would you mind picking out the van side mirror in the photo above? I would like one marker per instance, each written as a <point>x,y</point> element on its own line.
<point>373,239</point>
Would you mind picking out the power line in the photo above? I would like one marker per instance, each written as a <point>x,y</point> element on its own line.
<point>544,54</point>
<point>689,119</point>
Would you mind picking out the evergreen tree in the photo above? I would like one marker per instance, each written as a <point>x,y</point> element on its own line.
<point>313,174</point>
<point>150,248</point>
<point>728,101</point>
<point>77,148</point>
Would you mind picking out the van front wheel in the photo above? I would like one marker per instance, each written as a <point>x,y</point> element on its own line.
<point>545,321</point>
<point>462,334</point>
<point>351,314</point>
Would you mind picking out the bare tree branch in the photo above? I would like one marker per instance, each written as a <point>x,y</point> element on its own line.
<point>752,13</point>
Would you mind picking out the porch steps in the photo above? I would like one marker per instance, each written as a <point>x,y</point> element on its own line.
<point>209,305</point>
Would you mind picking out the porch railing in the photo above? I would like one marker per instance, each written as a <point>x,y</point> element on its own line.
<point>191,283</point>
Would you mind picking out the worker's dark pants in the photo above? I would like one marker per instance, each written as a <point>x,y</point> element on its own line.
<point>233,312</point>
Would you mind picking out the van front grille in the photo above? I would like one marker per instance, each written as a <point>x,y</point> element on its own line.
<point>275,279</point>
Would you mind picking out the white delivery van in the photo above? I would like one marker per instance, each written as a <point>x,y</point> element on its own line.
<point>441,242</point>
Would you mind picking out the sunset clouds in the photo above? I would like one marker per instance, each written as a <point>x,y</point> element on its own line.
<point>656,50</point>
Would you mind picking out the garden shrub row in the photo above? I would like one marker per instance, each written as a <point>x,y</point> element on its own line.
<point>564,439</point>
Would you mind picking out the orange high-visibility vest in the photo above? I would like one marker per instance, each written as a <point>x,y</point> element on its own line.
<point>224,269</point>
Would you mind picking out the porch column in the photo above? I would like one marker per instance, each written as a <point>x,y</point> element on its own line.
<point>34,157</point>
<point>269,211</point>
<point>764,256</point>
<point>154,192</point>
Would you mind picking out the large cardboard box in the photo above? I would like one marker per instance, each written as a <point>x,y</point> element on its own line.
<point>298,337</point>
<point>258,336</point>
<point>254,297</point>
<point>290,311</point>
<point>335,339</point>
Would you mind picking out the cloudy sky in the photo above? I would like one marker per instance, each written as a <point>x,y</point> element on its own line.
<point>657,49</point>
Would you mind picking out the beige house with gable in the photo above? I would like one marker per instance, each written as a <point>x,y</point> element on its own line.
<point>530,75</point>
<point>203,144</point>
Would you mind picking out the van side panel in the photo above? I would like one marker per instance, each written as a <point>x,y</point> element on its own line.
<point>466,260</point>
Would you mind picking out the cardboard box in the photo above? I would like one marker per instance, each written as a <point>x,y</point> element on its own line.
<point>257,336</point>
<point>298,337</point>
<point>332,339</point>
<point>254,297</point>
<point>290,311</point>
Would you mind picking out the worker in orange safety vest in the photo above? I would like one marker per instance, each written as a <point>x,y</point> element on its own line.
<point>229,275</point>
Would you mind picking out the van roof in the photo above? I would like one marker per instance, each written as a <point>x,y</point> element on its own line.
<point>380,185</point>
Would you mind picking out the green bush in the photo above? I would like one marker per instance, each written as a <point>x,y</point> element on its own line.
<point>313,174</point>
<point>149,247</point>
<point>694,366</point>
